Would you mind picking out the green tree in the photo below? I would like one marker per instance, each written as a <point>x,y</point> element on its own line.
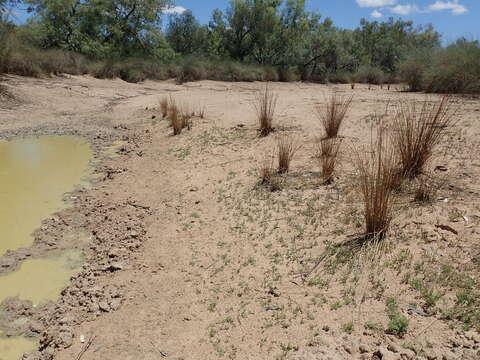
<point>101,28</point>
<point>185,35</point>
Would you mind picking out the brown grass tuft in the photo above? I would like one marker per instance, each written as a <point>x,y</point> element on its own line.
<point>417,130</point>
<point>176,119</point>
<point>267,173</point>
<point>377,172</point>
<point>287,146</point>
<point>327,154</point>
<point>201,112</point>
<point>265,104</point>
<point>332,115</point>
<point>179,117</point>
<point>164,104</point>
<point>427,187</point>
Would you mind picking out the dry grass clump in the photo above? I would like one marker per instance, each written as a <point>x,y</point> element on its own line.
<point>267,173</point>
<point>164,105</point>
<point>427,186</point>
<point>377,172</point>
<point>287,147</point>
<point>179,117</point>
<point>176,120</point>
<point>4,93</point>
<point>201,112</point>
<point>417,130</point>
<point>265,104</point>
<point>333,114</point>
<point>327,154</point>
<point>425,190</point>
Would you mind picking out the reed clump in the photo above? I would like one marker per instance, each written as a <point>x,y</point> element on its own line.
<point>377,172</point>
<point>418,128</point>
<point>333,114</point>
<point>265,104</point>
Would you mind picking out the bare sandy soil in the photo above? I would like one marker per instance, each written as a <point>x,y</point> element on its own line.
<point>188,258</point>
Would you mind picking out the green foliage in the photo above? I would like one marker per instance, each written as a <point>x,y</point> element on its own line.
<point>100,28</point>
<point>455,69</point>
<point>186,36</point>
<point>252,40</point>
<point>370,75</point>
<point>466,309</point>
<point>412,69</point>
<point>398,324</point>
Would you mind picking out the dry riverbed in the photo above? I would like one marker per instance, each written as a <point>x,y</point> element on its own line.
<point>186,257</point>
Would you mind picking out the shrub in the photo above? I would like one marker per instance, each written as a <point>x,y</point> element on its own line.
<point>412,70</point>
<point>287,146</point>
<point>265,104</point>
<point>377,172</point>
<point>455,69</point>
<point>192,71</point>
<point>340,77</point>
<point>327,153</point>
<point>288,74</point>
<point>332,115</point>
<point>368,74</point>
<point>417,130</point>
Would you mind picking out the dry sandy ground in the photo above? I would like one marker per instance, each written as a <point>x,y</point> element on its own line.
<point>217,273</point>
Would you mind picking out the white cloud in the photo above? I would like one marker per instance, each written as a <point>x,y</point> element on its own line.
<point>454,6</point>
<point>376,14</point>
<point>405,9</point>
<point>375,3</point>
<point>174,10</point>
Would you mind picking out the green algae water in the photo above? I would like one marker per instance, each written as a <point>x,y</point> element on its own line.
<point>35,173</point>
<point>42,279</point>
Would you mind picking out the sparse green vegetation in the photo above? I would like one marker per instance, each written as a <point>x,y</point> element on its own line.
<point>398,324</point>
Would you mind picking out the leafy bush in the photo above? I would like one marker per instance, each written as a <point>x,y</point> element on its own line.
<point>455,69</point>
<point>412,70</point>
<point>369,75</point>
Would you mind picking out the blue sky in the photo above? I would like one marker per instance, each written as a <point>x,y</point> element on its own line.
<point>452,18</point>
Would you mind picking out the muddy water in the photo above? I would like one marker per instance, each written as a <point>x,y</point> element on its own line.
<point>40,280</point>
<point>34,175</point>
<point>13,348</point>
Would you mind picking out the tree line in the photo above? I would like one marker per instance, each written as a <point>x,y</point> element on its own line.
<point>281,36</point>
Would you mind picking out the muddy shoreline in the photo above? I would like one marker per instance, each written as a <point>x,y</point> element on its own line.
<point>107,233</point>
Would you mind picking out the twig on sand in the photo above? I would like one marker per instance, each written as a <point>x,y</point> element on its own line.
<point>162,353</point>
<point>86,347</point>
